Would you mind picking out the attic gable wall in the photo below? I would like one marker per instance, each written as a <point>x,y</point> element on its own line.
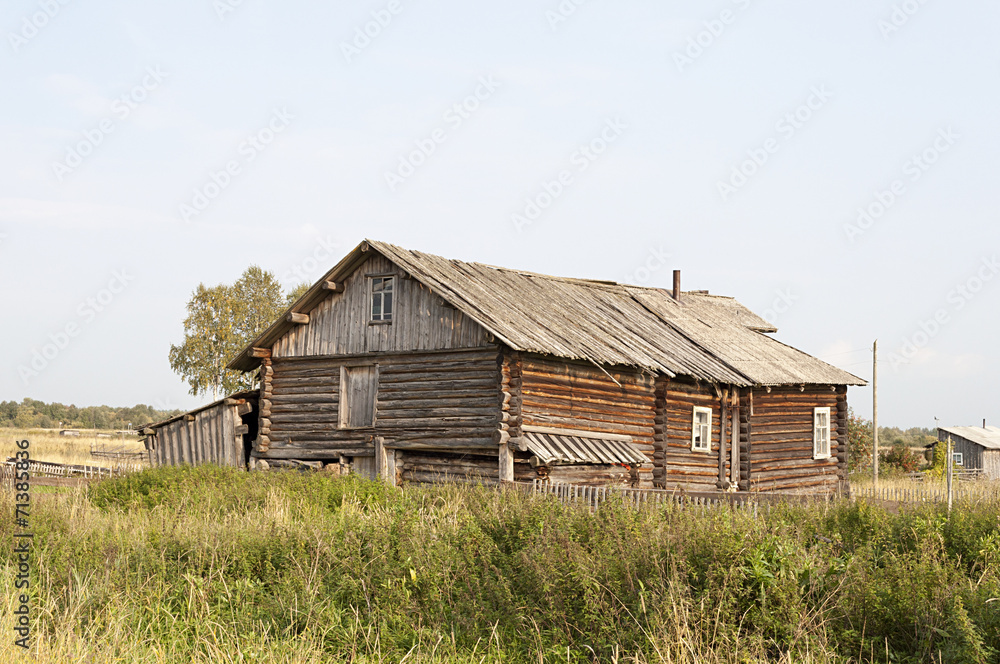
<point>339,325</point>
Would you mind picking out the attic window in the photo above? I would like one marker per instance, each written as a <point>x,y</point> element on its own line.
<point>382,299</point>
<point>821,433</point>
<point>701,430</point>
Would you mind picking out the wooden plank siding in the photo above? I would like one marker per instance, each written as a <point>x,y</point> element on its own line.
<point>780,440</point>
<point>977,457</point>
<point>679,466</point>
<point>445,400</point>
<point>563,394</point>
<point>340,325</point>
<point>211,435</point>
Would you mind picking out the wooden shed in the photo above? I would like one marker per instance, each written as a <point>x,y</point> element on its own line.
<point>220,433</point>
<point>975,448</point>
<point>413,367</point>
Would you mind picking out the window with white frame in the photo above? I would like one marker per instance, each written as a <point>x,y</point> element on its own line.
<point>821,433</point>
<point>701,430</point>
<point>382,288</point>
<point>957,457</point>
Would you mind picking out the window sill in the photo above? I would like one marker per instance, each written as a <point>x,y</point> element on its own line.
<point>380,322</point>
<point>820,457</point>
<point>701,450</point>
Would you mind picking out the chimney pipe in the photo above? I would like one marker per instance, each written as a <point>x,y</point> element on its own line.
<point>677,285</point>
<point>984,422</point>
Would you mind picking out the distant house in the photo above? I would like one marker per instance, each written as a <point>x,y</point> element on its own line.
<point>975,448</point>
<point>414,368</point>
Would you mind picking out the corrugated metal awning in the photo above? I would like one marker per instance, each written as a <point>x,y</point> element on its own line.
<point>566,449</point>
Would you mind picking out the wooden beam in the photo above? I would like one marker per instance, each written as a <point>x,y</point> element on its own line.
<point>297,318</point>
<point>260,352</point>
<point>189,418</point>
<point>529,428</point>
<point>506,464</point>
<point>335,286</point>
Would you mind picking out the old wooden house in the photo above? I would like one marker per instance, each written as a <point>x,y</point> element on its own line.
<point>975,448</point>
<point>415,368</point>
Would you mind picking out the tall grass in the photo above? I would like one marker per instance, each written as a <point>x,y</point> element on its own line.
<point>212,565</point>
<point>48,445</point>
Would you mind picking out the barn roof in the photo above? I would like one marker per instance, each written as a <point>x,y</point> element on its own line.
<point>237,396</point>
<point>988,437</point>
<point>708,337</point>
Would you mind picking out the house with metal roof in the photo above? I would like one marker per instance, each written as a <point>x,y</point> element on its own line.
<point>412,367</point>
<point>975,448</point>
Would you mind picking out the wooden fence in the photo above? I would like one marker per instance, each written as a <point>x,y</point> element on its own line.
<point>595,496</point>
<point>923,494</point>
<point>36,468</point>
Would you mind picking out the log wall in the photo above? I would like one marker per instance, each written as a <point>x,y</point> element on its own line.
<point>445,401</point>
<point>677,465</point>
<point>423,467</point>
<point>563,394</point>
<point>340,325</point>
<point>213,435</point>
<point>778,430</point>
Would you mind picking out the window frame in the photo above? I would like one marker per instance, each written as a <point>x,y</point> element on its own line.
<point>707,446</point>
<point>957,458</point>
<point>819,453</point>
<point>342,413</point>
<point>391,278</point>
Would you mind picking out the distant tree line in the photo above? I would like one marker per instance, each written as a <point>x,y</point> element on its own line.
<point>897,447</point>
<point>32,414</point>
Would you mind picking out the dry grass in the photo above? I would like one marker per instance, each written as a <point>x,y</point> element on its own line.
<point>48,445</point>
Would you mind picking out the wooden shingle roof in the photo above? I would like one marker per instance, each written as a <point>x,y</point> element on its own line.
<point>710,338</point>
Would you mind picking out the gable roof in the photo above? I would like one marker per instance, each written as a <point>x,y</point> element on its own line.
<point>710,338</point>
<point>988,437</point>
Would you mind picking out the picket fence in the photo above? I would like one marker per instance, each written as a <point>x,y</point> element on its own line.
<point>8,470</point>
<point>970,491</point>
<point>594,496</point>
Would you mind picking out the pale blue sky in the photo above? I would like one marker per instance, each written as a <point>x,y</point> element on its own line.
<point>114,114</point>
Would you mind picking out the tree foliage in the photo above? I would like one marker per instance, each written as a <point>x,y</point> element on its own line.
<point>901,458</point>
<point>297,292</point>
<point>221,321</point>
<point>859,442</point>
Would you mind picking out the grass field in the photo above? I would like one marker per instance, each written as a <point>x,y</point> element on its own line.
<point>211,565</point>
<point>48,445</point>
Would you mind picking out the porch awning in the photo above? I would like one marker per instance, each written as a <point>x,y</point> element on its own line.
<point>579,447</point>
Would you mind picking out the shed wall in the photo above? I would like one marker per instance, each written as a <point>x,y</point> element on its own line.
<point>215,435</point>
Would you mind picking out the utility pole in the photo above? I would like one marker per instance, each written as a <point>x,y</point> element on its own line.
<point>875,412</point>
<point>951,467</point>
